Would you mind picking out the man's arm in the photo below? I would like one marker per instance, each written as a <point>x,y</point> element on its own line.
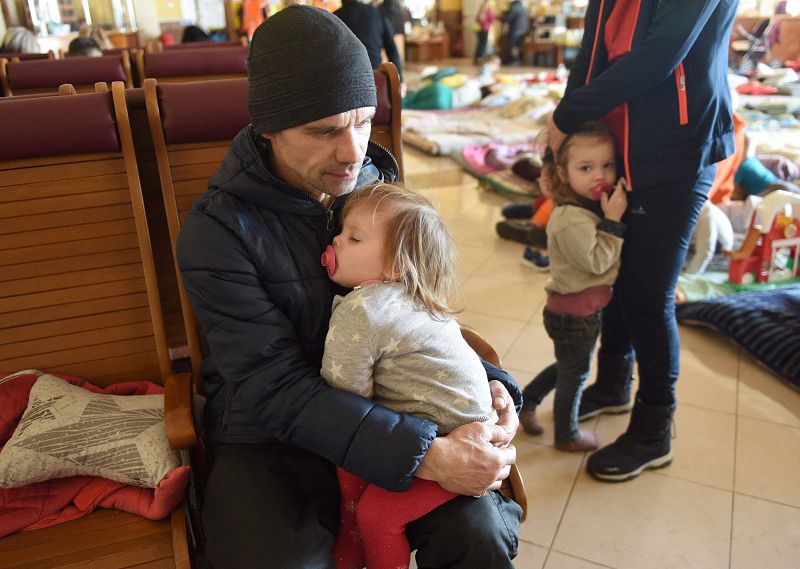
<point>675,27</point>
<point>260,357</point>
<point>391,48</point>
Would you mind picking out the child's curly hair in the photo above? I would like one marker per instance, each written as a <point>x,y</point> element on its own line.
<point>420,252</point>
<point>600,133</point>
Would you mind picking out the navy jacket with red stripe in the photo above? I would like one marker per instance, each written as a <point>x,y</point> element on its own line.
<point>674,82</point>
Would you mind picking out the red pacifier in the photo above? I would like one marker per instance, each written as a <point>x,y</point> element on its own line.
<point>328,260</point>
<point>600,189</point>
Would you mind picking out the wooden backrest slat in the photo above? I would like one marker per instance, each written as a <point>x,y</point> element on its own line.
<point>205,154</point>
<point>82,323</point>
<point>73,279</point>
<point>92,307</point>
<point>72,355</point>
<point>22,223</point>
<point>65,338</point>
<point>71,169</point>
<point>68,203</point>
<point>54,267</point>
<point>64,234</point>
<point>60,188</point>
<point>68,295</point>
<point>10,257</point>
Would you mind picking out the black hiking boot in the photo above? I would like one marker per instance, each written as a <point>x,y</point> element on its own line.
<point>611,391</point>
<point>645,445</point>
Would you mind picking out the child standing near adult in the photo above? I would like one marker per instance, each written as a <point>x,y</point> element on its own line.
<point>584,242</point>
<point>392,339</point>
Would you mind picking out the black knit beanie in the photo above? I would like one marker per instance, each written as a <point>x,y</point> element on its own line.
<point>304,65</point>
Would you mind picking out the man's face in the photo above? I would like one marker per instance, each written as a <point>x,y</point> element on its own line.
<point>323,157</point>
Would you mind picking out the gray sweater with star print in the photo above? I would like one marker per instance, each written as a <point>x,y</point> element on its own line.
<point>383,346</point>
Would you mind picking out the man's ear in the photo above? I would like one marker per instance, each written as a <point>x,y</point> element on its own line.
<point>268,135</point>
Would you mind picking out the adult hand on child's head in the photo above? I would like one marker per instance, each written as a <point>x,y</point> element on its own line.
<point>466,460</point>
<point>614,205</point>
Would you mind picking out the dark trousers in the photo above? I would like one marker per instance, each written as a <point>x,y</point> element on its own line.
<point>277,507</point>
<point>660,221</point>
<point>483,40</point>
<point>573,338</point>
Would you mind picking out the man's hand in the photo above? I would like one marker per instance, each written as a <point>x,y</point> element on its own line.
<point>508,422</point>
<point>476,457</point>
<point>555,137</point>
<point>466,462</point>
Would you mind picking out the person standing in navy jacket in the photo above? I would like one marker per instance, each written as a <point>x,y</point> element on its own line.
<point>656,72</point>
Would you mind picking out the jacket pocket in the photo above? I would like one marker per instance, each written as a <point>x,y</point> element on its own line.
<point>683,106</point>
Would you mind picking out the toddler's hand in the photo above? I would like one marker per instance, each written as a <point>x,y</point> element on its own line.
<point>614,205</point>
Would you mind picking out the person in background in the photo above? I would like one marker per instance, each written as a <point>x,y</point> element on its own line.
<point>657,73</point>
<point>392,10</point>
<point>584,242</point>
<point>393,340</point>
<point>373,29</point>
<point>19,40</point>
<point>248,252</point>
<point>483,23</point>
<point>517,26</point>
<point>83,47</point>
<point>193,34</point>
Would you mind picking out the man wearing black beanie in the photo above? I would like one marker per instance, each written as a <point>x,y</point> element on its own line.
<point>249,256</point>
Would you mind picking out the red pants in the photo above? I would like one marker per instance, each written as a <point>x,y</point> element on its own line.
<point>373,521</point>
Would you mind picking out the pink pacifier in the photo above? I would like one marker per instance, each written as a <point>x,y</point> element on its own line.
<point>600,189</point>
<point>328,260</point>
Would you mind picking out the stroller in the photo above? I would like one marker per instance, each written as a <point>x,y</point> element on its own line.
<point>751,46</point>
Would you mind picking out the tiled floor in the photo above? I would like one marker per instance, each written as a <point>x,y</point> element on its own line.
<point>730,499</point>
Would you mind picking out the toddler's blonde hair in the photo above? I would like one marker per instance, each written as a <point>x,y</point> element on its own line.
<point>419,252</point>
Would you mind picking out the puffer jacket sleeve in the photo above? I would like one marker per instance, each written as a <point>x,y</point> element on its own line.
<point>258,353</point>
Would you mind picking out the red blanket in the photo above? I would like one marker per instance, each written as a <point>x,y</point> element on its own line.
<point>63,499</point>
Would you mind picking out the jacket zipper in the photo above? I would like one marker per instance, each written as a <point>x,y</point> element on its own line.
<point>394,160</point>
<point>680,81</point>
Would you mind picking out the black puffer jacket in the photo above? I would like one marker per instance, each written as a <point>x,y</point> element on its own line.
<point>249,254</point>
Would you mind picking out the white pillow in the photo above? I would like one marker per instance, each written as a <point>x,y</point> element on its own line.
<point>69,431</point>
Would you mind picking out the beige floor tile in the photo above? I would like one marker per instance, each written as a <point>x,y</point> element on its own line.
<point>498,297</point>
<point>475,227</point>
<point>557,560</point>
<point>763,395</point>
<point>708,380</point>
<point>506,263</point>
<point>501,333</point>
<point>704,340</point>
<point>704,447</point>
<point>532,351</point>
<point>765,535</point>
<point>768,461</point>
<point>548,475</point>
<point>653,522</point>
<point>471,258</point>
<point>531,556</point>
<point>454,200</point>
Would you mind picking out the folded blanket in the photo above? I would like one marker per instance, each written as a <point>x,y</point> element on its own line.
<point>64,499</point>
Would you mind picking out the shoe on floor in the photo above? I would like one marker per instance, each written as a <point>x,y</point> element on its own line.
<point>587,440</point>
<point>595,402</point>
<point>644,445</point>
<point>514,230</point>
<point>530,424</point>
<point>518,210</point>
<point>535,259</point>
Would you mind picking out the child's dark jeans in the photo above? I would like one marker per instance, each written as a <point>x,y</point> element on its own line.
<point>574,338</point>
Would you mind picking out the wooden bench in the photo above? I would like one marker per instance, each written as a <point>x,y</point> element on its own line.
<point>78,296</point>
